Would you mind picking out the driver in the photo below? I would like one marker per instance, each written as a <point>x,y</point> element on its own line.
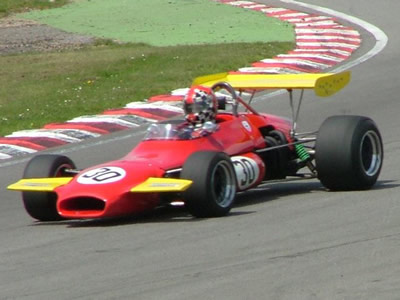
<point>200,107</point>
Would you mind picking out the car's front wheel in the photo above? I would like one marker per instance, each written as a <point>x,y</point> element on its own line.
<point>42,205</point>
<point>213,191</point>
<point>349,153</point>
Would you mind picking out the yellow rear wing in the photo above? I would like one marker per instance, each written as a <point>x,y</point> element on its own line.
<point>323,84</point>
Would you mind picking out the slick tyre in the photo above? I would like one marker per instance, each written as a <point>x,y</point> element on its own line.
<point>42,205</point>
<point>213,191</point>
<point>276,160</point>
<point>349,153</point>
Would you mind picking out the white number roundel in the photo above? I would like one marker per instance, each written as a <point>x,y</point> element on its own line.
<point>247,171</point>
<point>102,175</point>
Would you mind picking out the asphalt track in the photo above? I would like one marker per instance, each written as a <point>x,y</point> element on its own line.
<point>286,241</point>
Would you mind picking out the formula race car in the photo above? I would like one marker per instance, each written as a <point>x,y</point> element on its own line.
<point>205,171</point>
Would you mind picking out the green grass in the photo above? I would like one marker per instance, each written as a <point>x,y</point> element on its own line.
<point>40,88</point>
<point>8,7</point>
<point>36,89</point>
<point>164,23</point>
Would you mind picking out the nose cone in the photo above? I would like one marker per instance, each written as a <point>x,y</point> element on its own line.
<point>104,191</point>
<point>82,207</point>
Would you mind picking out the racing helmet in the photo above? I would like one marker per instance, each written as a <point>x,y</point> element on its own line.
<point>200,105</point>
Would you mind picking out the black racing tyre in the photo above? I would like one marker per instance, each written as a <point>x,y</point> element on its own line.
<point>349,153</point>
<point>271,159</point>
<point>213,191</point>
<point>42,205</point>
<point>280,157</point>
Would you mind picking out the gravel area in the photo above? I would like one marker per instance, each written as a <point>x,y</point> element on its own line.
<point>19,36</point>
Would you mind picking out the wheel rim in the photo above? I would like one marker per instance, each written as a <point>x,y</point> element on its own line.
<point>224,185</point>
<point>371,153</point>
<point>60,171</point>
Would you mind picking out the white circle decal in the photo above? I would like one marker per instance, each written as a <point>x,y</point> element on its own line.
<point>246,125</point>
<point>102,175</point>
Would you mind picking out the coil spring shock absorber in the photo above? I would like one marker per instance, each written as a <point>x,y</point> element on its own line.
<point>302,152</point>
<point>304,157</point>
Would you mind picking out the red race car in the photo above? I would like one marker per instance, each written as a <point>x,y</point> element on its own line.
<point>205,168</point>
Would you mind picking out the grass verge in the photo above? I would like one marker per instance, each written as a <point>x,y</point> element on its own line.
<point>36,89</point>
<point>8,7</point>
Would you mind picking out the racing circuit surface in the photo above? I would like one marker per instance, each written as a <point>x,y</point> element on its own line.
<point>285,241</point>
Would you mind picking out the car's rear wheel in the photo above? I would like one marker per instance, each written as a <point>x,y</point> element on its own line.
<point>213,191</point>
<point>276,160</point>
<point>42,205</point>
<point>349,153</point>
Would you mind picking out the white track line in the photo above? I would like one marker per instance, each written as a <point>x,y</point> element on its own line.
<point>380,37</point>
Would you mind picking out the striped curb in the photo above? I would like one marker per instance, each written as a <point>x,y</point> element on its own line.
<point>321,42</point>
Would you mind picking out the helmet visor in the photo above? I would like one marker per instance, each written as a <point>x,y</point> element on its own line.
<point>196,107</point>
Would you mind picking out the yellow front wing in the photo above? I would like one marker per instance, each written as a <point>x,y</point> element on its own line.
<point>151,185</point>
<point>159,185</point>
<point>39,184</point>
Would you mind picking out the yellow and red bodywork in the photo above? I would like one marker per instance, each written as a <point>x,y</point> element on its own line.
<point>137,182</point>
